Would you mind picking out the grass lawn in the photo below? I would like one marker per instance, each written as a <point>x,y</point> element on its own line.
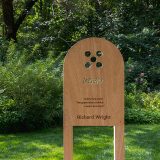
<point>142,142</point>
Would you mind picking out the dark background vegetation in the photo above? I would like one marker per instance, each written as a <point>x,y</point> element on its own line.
<point>35,36</point>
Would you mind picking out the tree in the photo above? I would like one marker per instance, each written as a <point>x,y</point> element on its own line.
<point>12,25</point>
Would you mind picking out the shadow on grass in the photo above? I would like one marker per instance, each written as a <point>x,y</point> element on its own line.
<point>93,143</point>
<point>43,145</point>
<point>142,142</point>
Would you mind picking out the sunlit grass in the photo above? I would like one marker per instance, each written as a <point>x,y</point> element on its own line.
<point>42,145</point>
<point>93,143</point>
<point>142,142</point>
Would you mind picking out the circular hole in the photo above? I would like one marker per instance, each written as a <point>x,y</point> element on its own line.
<point>93,59</point>
<point>99,64</point>
<point>87,53</point>
<point>87,64</point>
<point>99,53</point>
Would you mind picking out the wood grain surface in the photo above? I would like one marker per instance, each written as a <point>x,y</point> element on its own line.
<point>94,95</point>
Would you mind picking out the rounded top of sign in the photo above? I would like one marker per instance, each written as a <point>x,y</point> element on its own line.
<point>93,53</point>
<point>94,43</point>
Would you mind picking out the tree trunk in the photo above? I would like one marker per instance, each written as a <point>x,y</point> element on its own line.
<point>11,25</point>
<point>7,7</point>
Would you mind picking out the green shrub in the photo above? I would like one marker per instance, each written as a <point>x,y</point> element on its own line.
<point>142,116</point>
<point>30,94</point>
<point>142,107</point>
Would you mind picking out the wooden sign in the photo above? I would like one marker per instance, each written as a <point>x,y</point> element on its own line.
<point>94,91</point>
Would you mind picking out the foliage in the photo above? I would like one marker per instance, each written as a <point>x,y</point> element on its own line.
<point>142,98</point>
<point>142,107</point>
<point>30,94</point>
<point>56,26</point>
<point>34,64</point>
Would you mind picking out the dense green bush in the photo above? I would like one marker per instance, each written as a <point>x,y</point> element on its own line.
<point>142,97</point>
<point>30,93</point>
<point>141,107</point>
<point>142,116</point>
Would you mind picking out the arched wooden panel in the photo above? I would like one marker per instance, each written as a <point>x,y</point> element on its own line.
<point>94,91</point>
